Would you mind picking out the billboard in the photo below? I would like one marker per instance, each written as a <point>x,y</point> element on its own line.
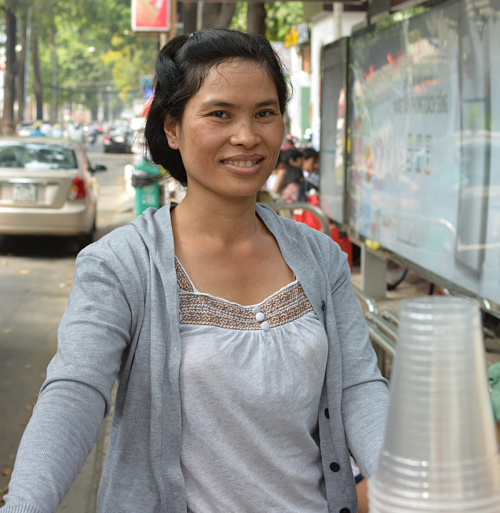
<point>424,171</point>
<point>333,131</point>
<point>150,15</point>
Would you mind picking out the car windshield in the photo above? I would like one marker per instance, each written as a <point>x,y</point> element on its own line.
<point>37,156</point>
<point>119,130</point>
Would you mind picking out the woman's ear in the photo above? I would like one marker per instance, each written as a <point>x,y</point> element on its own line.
<point>171,132</point>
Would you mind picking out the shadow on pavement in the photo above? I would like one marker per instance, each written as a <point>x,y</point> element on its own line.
<point>38,246</point>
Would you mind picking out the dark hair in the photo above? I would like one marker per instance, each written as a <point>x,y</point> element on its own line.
<point>181,68</point>
<point>291,154</point>
<point>292,175</point>
<point>310,153</point>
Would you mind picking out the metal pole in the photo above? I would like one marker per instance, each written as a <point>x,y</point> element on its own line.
<point>163,39</point>
<point>199,16</point>
<point>27,62</point>
<point>338,9</point>
<point>173,21</point>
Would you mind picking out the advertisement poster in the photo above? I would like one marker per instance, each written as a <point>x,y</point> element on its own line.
<point>424,169</point>
<point>150,15</point>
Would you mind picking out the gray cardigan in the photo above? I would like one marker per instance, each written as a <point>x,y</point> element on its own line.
<point>122,322</point>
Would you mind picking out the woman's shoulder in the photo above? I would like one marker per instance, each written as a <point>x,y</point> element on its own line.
<point>298,233</point>
<point>131,244</point>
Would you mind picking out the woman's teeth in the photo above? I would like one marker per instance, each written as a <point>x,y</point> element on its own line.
<point>242,163</point>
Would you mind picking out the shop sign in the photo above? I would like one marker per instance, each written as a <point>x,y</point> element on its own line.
<point>150,15</point>
<point>297,35</point>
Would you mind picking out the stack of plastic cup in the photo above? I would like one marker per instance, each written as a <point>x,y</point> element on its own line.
<point>440,452</point>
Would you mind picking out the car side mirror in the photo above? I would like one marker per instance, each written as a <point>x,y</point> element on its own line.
<point>100,167</point>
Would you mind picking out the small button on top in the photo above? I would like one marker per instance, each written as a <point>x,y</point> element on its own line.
<point>260,317</point>
<point>256,310</point>
<point>265,326</point>
<point>334,467</point>
<point>345,510</point>
<point>327,413</point>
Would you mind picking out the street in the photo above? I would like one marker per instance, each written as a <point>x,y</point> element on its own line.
<point>35,281</point>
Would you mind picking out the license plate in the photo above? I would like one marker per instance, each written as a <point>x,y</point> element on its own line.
<point>119,139</point>
<point>24,193</point>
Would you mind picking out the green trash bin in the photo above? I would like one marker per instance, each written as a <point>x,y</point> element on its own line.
<point>145,181</point>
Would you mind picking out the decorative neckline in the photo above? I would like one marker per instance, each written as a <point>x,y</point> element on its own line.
<point>186,285</point>
<point>197,308</point>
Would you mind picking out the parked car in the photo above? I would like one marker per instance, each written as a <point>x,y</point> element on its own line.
<point>47,188</point>
<point>24,128</point>
<point>119,138</point>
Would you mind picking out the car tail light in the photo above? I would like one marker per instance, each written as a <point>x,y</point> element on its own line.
<point>78,189</point>
<point>106,139</point>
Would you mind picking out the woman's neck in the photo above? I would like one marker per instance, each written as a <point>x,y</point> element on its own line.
<point>228,220</point>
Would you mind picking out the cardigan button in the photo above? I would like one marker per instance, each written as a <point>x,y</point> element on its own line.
<point>327,413</point>
<point>334,467</point>
<point>256,310</point>
<point>260,317</point>
<point>345,510</point>
<point>323,306</point>
<point>265,326</point>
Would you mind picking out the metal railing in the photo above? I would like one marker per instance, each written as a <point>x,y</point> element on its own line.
<point>317,212</point>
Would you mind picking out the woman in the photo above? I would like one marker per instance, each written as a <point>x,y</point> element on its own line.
<point>244,366</point>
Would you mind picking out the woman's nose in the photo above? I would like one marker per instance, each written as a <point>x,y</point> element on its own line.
<point>245,134</point>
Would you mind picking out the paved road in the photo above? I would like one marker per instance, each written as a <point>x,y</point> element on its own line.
<point>35,281</point>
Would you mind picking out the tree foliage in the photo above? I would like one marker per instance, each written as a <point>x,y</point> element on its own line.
<point>280,17</point>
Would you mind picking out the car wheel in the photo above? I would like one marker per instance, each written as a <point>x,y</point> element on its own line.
<point>85,240</point>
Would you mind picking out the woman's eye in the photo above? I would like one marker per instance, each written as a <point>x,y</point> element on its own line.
<point>264,114</point>
<point>220,114</point>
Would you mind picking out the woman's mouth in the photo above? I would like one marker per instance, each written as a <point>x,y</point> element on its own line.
<point>242,163</point>
<point>244,167</point>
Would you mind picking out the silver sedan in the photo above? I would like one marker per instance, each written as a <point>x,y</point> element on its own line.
<point>47,188</point>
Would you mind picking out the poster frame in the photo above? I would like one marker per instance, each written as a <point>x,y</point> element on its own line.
<point>344,41</point>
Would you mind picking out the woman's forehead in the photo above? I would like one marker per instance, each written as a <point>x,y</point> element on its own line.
<point>245,74</point>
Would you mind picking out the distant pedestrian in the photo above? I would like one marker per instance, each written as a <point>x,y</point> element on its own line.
<point>36,132</point>
<point>290,158</point>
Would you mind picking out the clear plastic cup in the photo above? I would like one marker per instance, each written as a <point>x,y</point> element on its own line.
<point>440,452</point>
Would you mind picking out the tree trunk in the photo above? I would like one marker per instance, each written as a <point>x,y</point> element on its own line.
<point>20,73</point>
<point>256,18</point>
<point>225,15</point>
<point>38,79</point>
<point>210,14</point>
<point>8,127</point>
<point>189,13</point>
<point>217,15</point>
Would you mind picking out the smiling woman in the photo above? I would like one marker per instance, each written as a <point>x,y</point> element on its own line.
<point>246,374</point>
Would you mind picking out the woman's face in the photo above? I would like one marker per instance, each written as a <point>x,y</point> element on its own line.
<point>231,131</point>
